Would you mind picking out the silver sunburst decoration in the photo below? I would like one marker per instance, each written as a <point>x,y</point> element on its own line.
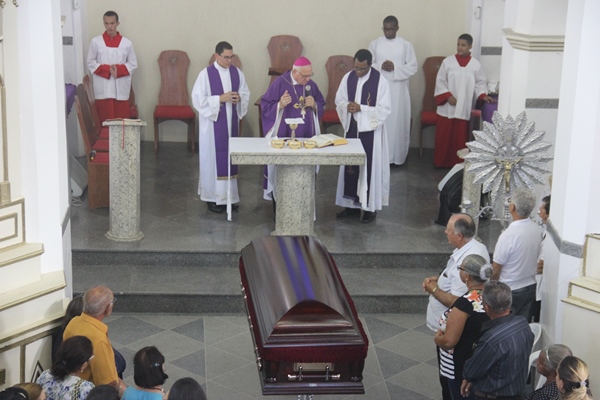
<point>508,154</point>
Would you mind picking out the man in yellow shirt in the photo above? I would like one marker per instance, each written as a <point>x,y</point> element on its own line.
<point>98,304</point>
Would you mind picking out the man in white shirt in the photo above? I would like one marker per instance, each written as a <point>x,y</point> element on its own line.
<point>447,287</point>
<point>395,58</point>
<point>517,251</point>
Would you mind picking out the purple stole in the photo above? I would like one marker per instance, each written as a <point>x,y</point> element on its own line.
<point>220,125</point>
<point>369,98</point>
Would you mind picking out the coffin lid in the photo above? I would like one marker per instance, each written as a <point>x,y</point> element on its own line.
<point>297,293</point>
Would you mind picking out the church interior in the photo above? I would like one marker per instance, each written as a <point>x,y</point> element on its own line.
<point>179,286</point>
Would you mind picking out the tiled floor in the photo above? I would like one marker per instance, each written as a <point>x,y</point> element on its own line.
<point>216,350</point>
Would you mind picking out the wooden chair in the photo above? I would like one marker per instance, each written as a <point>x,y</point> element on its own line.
<point>337,67</point>
<point>428,109</point>
<point>102,131</point>
<point>174,100</point>
<point>97,162</point>
<point>283,51</point>
<point>236,62</point>
<point>94,141</point>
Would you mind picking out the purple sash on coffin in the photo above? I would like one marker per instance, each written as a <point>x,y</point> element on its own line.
<point>369,98</point>
<point>220,125</point>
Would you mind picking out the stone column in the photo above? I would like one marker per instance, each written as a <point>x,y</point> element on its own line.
<point>471,192</point>
<point>295,200</point>
<point>125,180</point>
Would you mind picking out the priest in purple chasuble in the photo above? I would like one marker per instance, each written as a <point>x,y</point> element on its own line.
<point>221,97</point>
<point>363,104</point>
<point>292,95</point>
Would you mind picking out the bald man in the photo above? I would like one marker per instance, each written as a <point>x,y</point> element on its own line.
<point>98,303</point>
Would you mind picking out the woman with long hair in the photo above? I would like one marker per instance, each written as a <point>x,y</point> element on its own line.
<point>63,381</point>
<point>573,379</point>
<point>74,309</point>
<point>149,376</point>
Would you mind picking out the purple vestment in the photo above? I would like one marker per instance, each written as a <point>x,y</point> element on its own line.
<point>220,125</point>
<point>270,99</point>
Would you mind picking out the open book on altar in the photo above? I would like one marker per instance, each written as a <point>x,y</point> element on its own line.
<point>328,139</point>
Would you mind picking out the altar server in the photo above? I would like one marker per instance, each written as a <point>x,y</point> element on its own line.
<point>395,58</point>
<point>111,60</point>
<point>460,82</point>
<point>363,104</point>
<point>221,97</point>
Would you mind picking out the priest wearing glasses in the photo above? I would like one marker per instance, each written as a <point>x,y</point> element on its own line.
<point>221,97</point>
<point>292,95</point>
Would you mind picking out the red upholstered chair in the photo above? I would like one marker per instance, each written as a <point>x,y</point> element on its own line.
<point>174,100</point>
<point>97,162</point>
<point>102,131</point>
<point>428,114</point>
<point>337,67</point>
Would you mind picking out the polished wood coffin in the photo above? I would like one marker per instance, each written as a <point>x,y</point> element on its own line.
<point>307,336</point>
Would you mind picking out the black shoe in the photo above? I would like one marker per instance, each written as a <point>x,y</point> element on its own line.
<point>368,217</point>
<point>346,212</point>
<point>215,208</point>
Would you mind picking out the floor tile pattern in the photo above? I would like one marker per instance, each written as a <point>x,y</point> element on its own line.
<point>216,350</point>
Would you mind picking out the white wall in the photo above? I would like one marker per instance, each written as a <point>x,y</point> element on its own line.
<point>325,28</point>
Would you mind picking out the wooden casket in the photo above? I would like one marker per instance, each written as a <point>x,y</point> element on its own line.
<point>307,336</point>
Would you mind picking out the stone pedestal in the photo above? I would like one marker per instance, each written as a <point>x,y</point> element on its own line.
<point>295,176</point>
<point>125,180</point>
<point>471,192</point>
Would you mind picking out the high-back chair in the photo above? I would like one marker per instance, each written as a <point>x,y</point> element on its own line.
<point>91,139</point>
<point>283,51</point>
<point>102,131</point>
<point>97,162</point>
<point>431,67</point>
<point>173,99</point>
<point>337,67</point>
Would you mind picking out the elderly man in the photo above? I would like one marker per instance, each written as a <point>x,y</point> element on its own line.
<point>98,303</point>
<point>500,363</point>
<point>292,95</point>
<point>447,287</point>
<point>221,97</point>
<point>517,251</point>
<point>363,104</point>
<point>395,58</point>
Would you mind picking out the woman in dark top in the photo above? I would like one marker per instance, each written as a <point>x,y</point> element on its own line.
<point>546,365</point>
<point>460,326</point>
<point>74,309</point>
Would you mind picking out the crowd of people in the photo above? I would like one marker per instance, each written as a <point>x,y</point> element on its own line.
<point>480,313</point>
<point>86,366</point>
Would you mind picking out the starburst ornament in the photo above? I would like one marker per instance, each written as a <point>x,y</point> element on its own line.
<point>508,154</point>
